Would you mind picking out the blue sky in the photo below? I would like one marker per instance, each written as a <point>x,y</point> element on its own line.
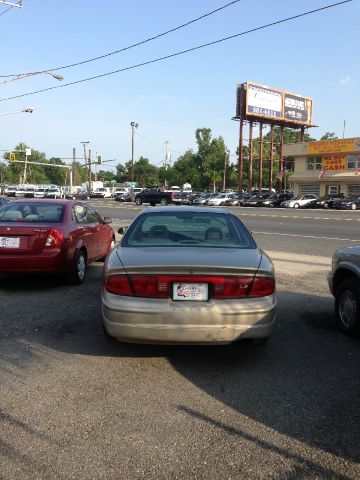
<point>316,56</point>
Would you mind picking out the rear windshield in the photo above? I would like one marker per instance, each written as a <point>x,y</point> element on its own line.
<point>32,212</point>
<point>188,229</point>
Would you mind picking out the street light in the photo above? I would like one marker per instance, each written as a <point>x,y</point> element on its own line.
<point>84,145</point>
<point>24,110</point>
<point>31,74</point>
<point>133,126</point>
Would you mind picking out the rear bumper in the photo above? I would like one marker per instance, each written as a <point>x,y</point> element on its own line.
<point>165,321</point>
<point>51,261</point>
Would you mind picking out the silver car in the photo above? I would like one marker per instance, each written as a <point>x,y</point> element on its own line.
<point>188,275</point>
<point>344,284</point>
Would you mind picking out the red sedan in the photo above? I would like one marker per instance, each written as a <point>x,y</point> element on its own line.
<point>52,236</point>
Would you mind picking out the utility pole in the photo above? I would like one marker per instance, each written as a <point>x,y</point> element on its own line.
<point>227,154</point>
<point>89,170</point>
<point>73,167</point>
<point>166,160</point>
<point>96,157</point>
<point>85,161</point>
<point>27,153</point>
<point>133,126</point>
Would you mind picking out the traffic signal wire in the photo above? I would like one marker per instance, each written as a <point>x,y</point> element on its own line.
<point>182,52</point>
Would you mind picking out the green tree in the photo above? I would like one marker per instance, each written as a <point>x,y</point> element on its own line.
<point>145,174</point>
<point>329,136</point>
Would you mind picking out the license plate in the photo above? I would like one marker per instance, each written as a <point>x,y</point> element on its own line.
<point>9,242</point>
<point>197,292</point>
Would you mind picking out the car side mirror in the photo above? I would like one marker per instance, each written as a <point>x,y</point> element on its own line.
<point>122,230</point>
<point>107,220</point>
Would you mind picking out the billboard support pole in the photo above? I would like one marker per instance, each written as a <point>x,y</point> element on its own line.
<point>302,135</point>
<point>261,156</point>
<point>281,159</point>
<point>241,155</point>
<point>250,174</point>
<point>271,169</point>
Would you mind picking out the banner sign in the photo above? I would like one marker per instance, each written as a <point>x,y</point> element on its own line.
<point>297,109</point>
<point>264,101</point>
<point>344,145</point>
<point>334,162</point>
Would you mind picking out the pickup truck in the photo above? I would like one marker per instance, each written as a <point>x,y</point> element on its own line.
<point>154,196</point>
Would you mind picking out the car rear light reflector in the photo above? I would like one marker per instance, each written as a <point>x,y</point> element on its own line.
<point>160,286</point>
<point>54,239</point>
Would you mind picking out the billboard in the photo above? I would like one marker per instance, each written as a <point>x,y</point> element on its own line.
<point>264,101</point>
<point>267,102</point>
<point>297,108</point>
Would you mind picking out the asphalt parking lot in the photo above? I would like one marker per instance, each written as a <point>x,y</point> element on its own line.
<point>74,404</point>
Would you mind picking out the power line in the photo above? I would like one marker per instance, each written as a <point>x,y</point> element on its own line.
<point>142,42</point>
<point>156,143</point>
<point>166,57</point>
<point>5,11</point>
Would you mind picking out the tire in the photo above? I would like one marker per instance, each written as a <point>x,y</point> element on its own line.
<point>326,205</point>
<point>353,206</point>
<point>163,202</point>
<point>138,201</point>
<point>78,274</point>
<point>152,204</point>
<point>347,306</point>
<point>296,205</point>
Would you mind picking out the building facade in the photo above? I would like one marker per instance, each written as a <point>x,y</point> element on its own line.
<point>326,167</point>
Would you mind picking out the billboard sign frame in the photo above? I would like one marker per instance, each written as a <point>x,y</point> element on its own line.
<point>263,101</point>
<point>297,108</point>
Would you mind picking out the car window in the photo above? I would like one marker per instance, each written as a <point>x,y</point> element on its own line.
<point>32,212</point>
<point>91,215</point>
<point>188,229</point>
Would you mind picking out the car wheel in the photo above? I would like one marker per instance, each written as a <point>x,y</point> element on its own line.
<point>353,206</point>
<point>152,204</point>
<point>163,202</point>
<point>326,205</point>
<point>296,205</point>
<point>79,270</point>
<point>347,306</point>
<point>138,201</point>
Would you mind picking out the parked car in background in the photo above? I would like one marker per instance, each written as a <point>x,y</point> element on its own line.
<point>346,204</point>
<point>234,200</point>
<point>195,274</point>
<point>10,191</point>
<point>154,196</point>
<point>81,195</point>
<point>344,284</point>
<point>181,198</point>
<point>323,202</point>
<point>40,191</point>
<point>53,192</point>
<point>58,236</point>
<point>254,200</point>
<point>123,197</point>
<point>119,191</point>
<point>20,191</point>
<point>202,199</point>
<point>101,192</point>
<point>219,200</point>
<point>299,201</point>
<point>29,191</point>
<point>275,199</point>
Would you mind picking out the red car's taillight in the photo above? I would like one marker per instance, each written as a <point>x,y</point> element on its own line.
<point>54,239</point>
<point>159,286</point>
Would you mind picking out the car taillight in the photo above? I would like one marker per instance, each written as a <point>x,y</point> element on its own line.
<point>118,284</point>
<point>54,239</point>
<point>262,287</point>
<point>160,286</point>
